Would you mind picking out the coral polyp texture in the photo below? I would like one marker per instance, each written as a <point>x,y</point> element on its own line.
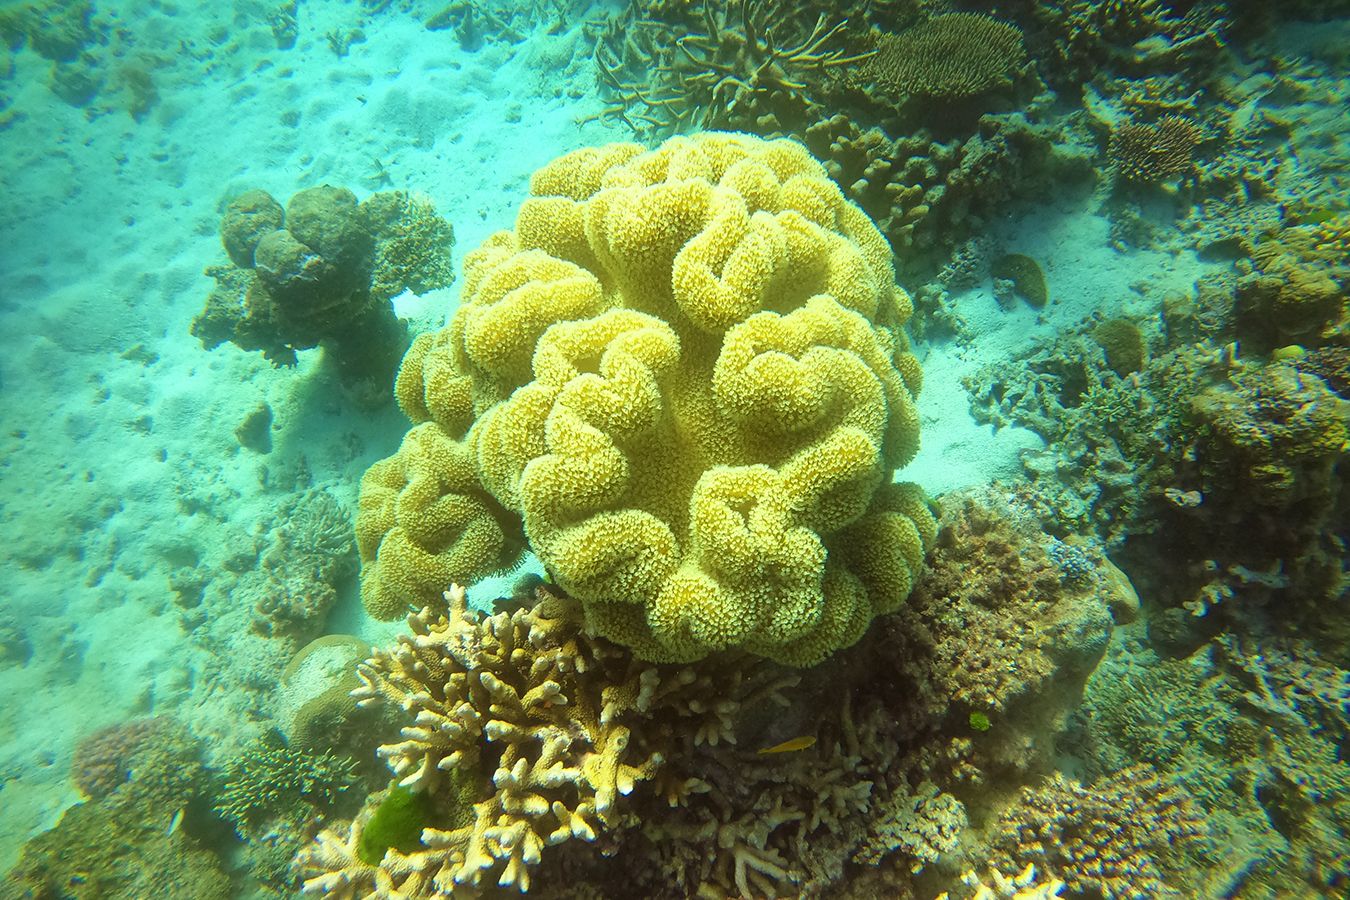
<point>1118,838</point>
<point>949,56</point>
<point>683,379</point>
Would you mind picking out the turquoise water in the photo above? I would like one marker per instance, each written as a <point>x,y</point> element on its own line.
<point>308,315</point>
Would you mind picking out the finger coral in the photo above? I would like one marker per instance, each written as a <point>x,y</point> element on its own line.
<point>526,733</point>
<point>684,373</point>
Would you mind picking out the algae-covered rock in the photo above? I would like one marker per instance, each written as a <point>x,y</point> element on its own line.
<point>247,219</point>
<point>322,272</point>
<point>1123,344</point>
<point>328,221</point>
<point>1026,276</point>
<point>140,833</point>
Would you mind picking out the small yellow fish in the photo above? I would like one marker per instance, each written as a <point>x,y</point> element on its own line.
<point>789,746</point>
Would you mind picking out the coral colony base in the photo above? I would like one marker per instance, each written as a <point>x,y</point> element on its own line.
<point>883,449</point>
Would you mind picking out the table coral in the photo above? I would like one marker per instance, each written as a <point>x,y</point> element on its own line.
<point>949,56</point>
<point>685,372</point>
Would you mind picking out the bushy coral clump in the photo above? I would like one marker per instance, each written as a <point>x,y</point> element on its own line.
<point>1112,839</point>
<point>524,733</point>
<point>684,374</point>
<point>312,554</point>
<point>995,616</point>
<point>139,833</point>
<point>1250,726</point>
<point>1156,151</point>
<point>109,758</point>
<point>270,781</point>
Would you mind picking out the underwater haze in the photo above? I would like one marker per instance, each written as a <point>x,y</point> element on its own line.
<point>674,449</point>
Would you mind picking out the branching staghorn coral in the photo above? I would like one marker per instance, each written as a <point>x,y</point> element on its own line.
<point>528,732</point>
<point>1157,151</point>
<point>750,55</point>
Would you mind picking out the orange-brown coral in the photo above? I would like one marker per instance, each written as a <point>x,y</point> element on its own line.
<point>1112,839</point>
<point>994,616</point>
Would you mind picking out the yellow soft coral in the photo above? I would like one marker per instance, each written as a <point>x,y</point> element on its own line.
<point>685,372</point>
<point>424,522</point>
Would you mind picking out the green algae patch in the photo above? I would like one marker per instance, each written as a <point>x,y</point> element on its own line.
<point>1025,274</point>
<point>397,822</point>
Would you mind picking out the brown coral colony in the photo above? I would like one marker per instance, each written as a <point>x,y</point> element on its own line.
<point>1149,153</point>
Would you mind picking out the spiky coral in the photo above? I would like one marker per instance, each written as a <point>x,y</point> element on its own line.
<point>1153,152</point>
<point>750,59</point>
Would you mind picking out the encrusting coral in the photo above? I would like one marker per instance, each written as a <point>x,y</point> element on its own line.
<point>685,374</point>
<point>1112,839</point>
<point>1294,287</point>
<point>140,833</point>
